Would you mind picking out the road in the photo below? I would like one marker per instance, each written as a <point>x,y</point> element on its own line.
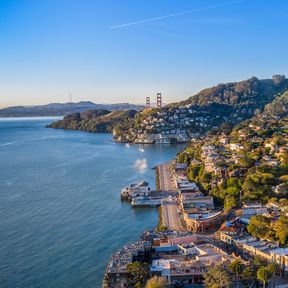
<point>170,209</point>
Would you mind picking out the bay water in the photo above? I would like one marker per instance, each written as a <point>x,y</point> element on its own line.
<point>61,216</point>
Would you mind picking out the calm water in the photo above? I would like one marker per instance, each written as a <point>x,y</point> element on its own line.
<point>60,212</point>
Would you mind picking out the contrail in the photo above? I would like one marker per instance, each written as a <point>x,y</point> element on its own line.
<point>176,14</point>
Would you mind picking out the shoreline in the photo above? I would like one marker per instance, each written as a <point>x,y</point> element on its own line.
<point>161,225</point>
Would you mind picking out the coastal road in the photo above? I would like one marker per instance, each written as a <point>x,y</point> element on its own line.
<point>170,209</point>
<point>166,181</point>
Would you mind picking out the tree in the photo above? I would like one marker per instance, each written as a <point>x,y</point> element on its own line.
<point>183,157</point>
<point>138,273</point>
<point>156,282</point>
<point>259,226</point>
<point>259,262</point>
<point>193,171</point>
<point>249,276</point>
<point>272,267</point>
<point>230,202</point>
<point>281,229</point>
<point>217,277</point>
<point>234,182</point>
<point>264,274</point>
<point>236,267</point>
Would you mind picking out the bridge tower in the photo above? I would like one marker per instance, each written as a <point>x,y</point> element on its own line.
<point>159,100</point>
<point>148,102</point>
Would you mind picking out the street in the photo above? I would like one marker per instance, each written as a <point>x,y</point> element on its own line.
<point>170,207</point>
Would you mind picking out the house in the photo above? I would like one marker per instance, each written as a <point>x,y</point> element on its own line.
<point>249,210</point>
<point>180,166</point>
<point>231,229</point>
<point>273,162</point>
<point>281,188</point>
<point>236,146</point>
<point>224,140</point>
<point>255,247</point>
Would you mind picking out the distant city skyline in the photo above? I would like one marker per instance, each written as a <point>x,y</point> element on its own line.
<point>109,51</point>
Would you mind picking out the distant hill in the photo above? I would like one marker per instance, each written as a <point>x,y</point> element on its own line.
<point>59,109</point>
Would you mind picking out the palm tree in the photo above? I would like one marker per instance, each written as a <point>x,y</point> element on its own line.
<point>272,267</point>
<point>217,277</point>
<point>249,276</point>
<point>264,274</point>
<point>236,267</point>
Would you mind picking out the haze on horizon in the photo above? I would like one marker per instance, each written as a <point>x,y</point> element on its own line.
<point>109,51</point>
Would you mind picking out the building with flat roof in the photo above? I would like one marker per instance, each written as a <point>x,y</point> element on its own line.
<point>189,268</point>
<point>280,256</point>
<point>202,220</point>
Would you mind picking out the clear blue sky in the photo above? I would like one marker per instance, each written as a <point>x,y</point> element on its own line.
<point>49,48</point>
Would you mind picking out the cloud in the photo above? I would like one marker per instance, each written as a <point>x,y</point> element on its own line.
<point>175,14</point>
<point>141,165</point>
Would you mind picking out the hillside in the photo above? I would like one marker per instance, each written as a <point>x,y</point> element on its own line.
<point>247,162</point>
<point>207,110</point>
<point>98,121</point>
<point>278,107</point>
<point>59,109</point>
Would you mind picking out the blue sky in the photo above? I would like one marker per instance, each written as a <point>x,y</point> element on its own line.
<point>49,48</point>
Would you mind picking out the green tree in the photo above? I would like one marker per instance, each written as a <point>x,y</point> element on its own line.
<point>234,182</point>
<point>259,226</point>
<point>236,267</point>
<point>264,274</point>
<point>230,202</point>
<point>272,267</point>
<point>156,282</point>
<point>193,171</point>
<point>138,273</point>
<point>281,229</point>
<point>259,262</point>
<point>183,157</point>
<point>249,276</point>
<point>217,277</point>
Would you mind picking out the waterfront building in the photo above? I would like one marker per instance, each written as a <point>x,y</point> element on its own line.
<point>141,189</point>
<point>116,275</point>
<point>202,220</point>
<point>189,268</point>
